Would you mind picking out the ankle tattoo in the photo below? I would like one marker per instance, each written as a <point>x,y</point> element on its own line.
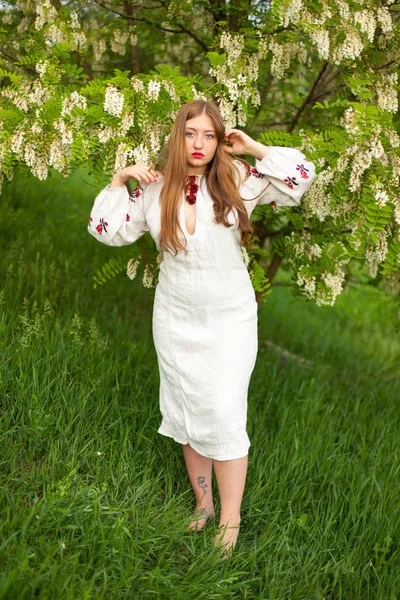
<point>201,482</point>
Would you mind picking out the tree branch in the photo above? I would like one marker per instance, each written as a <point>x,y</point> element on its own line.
<point>14,60</point>
<point>308,98</point>
<point>182,28</point>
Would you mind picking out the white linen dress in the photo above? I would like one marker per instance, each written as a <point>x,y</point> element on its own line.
<point>205,311</point>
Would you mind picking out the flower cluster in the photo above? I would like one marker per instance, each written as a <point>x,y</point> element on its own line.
<point>132,267</point>
<point>236,79</point>
<point>113,101</point>
<point>45,13</point>
<point>75,100</point>
<point>386,90</point>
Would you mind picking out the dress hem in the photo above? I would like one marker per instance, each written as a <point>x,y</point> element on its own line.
<point>200,449</point>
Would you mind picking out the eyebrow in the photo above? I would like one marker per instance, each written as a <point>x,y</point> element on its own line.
<point>205,131</point>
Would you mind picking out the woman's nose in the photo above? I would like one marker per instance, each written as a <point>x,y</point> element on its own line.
<point>198,143</point>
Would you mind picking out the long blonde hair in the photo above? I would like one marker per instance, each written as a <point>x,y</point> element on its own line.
<point>221,177</point>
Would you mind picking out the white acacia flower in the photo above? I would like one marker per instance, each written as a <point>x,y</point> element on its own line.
<point>80,39</point>
<point>384,19</point>
<point>351,48</point>
<point>148,278</point>
<point>75,100</point>
<point>121,157</point>
<point>41,68</point>
<point>56,154</point>
<point>155,141</point>
<point>105,134</point>
<point>38,94</point>
<point>292,13</point>
<point>397,210</point>
<point>333,286</point>
<point>53,35</point>
<point>66,133</point>
<point>45,13</point>
<point>99,46</point>
<point>196,95</point>
<point>233,46</point>
<point>387,92</point>
<point>118,41</point>
<point>245,255</point>
<point>127,122</point>
<point>393,138</point>
<point>137,84</point>
<point>344,10</point>
<point>17,141</point>
<point>308,283</point>
<point>132,267</point>
<point>227,110</point>
<point>153,89</point>
<point>318,200</point>
<point>376,148</point>
<point>361,162</point>
<point>16,98</point>
<point>141,155</point>
<point>367,22</point>
<point>320,37</point>
<point>113,101</point>
<point>314,251</point>
<point>75,22</point>
<point>40,169</point>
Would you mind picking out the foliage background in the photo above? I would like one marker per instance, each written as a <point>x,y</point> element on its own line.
<point>98,83</point>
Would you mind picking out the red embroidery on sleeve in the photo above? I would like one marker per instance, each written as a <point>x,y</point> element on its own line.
<point>291,182</point>
<point>255,173</point>
<point>101,226</point>
<point>303,171</point>
<point>136,193</point>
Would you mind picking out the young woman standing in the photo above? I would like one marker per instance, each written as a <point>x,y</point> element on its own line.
<point>197,209</point>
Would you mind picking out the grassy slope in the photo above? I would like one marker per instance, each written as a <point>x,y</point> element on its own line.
<point>94,502</point>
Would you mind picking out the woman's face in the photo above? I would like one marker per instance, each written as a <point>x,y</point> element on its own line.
<point>201,143</point>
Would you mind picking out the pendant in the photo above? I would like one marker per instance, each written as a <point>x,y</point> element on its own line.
<point>191,189</point>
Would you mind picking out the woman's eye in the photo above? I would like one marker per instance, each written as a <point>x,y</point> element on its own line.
<point>189,132</point>
<point>210,135</point>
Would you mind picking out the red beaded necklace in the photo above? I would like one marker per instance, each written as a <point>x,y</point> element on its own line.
<point>191,189</point>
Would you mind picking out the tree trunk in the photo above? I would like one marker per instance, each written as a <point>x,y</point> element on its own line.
<point>218,11</point>
<point>135,59</point>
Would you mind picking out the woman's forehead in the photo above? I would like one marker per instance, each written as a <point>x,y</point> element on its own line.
<point>201,122</point>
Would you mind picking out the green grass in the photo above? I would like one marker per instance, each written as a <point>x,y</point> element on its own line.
<point>94,502</point>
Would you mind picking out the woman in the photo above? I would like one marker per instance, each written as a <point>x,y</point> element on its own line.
<point>205,314</point>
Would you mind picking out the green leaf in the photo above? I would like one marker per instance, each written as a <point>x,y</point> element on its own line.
<point>216,59</point>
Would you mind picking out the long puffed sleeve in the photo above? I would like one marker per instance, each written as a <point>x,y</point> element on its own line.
<point>117,217</point>
<point>281,177</point>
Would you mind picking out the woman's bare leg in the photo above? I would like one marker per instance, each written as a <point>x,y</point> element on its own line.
<point>199,469</point>
<point>231,479</point>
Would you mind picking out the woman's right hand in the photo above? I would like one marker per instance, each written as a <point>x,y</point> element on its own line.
<point>138,172</point>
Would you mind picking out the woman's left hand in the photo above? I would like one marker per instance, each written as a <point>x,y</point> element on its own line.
<point>241,143</point>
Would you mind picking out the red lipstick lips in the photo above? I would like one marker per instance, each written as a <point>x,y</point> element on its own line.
<point>197,154</point>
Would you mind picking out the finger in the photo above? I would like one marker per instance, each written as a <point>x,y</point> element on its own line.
<point>144,173</point>
<point>154,174</point>
<point>229,149</point>
<point>233,132</point>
